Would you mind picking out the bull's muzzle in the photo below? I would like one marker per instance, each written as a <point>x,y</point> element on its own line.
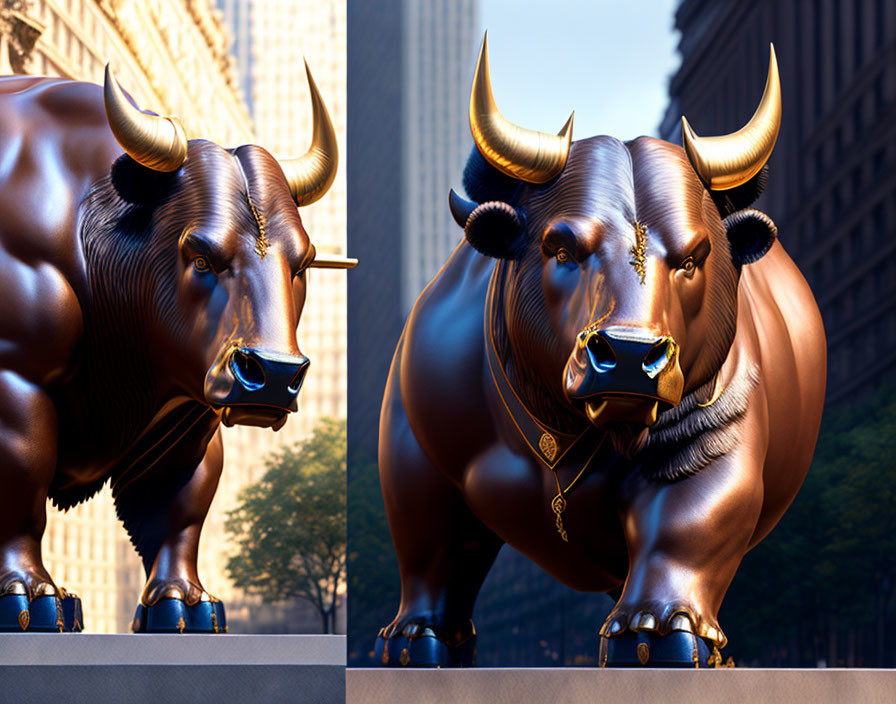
<point>624,374</point>
<point>256,387</point>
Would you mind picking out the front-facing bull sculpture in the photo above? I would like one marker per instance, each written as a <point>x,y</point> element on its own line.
<point>619,372</point>
<point>147,297</point>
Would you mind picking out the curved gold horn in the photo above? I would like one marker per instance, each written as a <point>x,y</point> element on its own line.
<point>159,143</point>
<point>311,175</point>
<point>731,160</point>
<point>530,156</point>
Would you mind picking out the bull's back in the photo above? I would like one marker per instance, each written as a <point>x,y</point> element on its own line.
<point>54,142</point>
<point>790,347</point>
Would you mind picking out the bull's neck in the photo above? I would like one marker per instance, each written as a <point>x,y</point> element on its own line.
<point>543,400</point>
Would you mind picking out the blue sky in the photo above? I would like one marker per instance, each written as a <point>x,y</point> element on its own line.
<point>608,61</point>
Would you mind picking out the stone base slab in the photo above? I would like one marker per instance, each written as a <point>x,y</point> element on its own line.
<point>644,686</point>
<point>82,668</point>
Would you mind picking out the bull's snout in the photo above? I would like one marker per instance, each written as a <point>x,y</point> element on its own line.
<point>269,373</point>
<point>602,352</point>
<point>256,387</point>
<point>626,367</point>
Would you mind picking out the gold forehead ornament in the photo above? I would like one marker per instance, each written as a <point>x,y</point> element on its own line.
<point>638,251</point>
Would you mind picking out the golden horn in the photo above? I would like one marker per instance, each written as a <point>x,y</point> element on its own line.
<point>311,175</point>
<point>528,155</point>
<point>158,143</point>
<point>731,160</point>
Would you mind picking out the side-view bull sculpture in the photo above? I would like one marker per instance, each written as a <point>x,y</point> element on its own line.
<point>619,372</point>
<point>147,298</point>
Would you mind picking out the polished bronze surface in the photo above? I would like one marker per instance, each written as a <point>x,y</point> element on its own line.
<point>731,160</point>
<point>690,398</point>
<point>528,155</point>
<point>138,315</point>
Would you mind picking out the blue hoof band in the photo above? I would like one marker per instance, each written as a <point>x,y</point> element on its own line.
<point>45,614</point>
<point>425,651</point>
<point>174,616</point>
<point>649,649</point>
<point>72,616</point>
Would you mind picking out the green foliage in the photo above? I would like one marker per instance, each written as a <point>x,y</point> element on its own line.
<point>290,526</point>
<point>830,566</point>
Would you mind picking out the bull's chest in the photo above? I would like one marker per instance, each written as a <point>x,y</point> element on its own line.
<point>516,496</point>
<point>173,440</point>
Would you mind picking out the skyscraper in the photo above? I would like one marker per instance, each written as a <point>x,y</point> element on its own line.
<point>832,185</point>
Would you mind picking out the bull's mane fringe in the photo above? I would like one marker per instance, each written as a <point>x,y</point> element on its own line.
<point>116,262</point>
<point>483,182</point>
<point>685,439</point>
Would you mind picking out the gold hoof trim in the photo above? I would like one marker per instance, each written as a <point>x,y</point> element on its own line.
<point>643,653</point>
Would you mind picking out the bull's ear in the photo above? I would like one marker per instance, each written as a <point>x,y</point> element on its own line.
<point>137,184</point>
<point>495,229</point>
<point>740,197</point>
<point>750,235</point>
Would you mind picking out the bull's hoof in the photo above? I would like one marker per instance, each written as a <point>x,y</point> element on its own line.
<point>43,614</point>
<point>416,643</point>
<point>175,616</point>
<point>650,649</point>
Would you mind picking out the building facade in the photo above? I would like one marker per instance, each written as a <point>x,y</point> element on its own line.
<point>272,38</point>
<point>832,186</point>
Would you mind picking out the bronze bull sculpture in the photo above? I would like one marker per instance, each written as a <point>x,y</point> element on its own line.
<point>148,297</point>
<point>619,372</point>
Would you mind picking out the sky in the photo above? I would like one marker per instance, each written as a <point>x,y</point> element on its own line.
<point>608,61</point>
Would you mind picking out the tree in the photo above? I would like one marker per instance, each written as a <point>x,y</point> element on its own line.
<point>290,526</point>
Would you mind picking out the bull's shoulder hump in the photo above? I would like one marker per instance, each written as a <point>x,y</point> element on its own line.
<point>49,115</point>
<point>73,103</point>
<point>443,338</point>
<point>466,273</point>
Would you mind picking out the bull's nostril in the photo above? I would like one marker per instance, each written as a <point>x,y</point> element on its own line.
<point>247,370</point>
<point>600,354</point>
<point>299,378</point>
<point>658,357</point>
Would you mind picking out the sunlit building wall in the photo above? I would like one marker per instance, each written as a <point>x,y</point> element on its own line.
<point>280,33</point>
<point>172,56</point>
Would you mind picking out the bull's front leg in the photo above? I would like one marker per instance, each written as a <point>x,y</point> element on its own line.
<point>29,601</point>
<point>685,541</point>
<point>174,599</point>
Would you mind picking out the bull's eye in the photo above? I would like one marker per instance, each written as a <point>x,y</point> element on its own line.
<point>563,256</point>
<point>201,265</point>
<point>688,267</point>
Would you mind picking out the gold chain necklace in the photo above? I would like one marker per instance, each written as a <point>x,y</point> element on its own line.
<point>558,504</point>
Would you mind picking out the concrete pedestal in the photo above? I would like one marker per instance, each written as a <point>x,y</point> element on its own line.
<point>82,668</point>
<point>573,685</point>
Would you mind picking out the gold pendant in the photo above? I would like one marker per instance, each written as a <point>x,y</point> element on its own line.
<point>559,506</point>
